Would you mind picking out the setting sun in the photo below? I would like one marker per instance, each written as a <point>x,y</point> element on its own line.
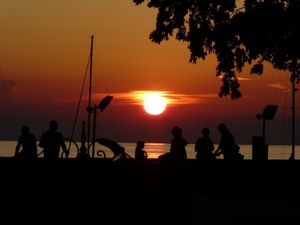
<point>154,104</point>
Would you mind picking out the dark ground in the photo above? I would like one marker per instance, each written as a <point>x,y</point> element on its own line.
<point>220,210</point>
<point>150,193</point>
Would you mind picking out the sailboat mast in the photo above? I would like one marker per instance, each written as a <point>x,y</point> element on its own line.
<point>293,120</point>
<point>90,92</point>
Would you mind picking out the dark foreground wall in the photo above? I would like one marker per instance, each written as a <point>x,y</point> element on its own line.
<point>272,180</point>
<point>101,190</point>
<point>151,193</point>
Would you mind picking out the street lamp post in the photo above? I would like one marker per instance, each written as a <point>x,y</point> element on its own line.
<point>102,106</point>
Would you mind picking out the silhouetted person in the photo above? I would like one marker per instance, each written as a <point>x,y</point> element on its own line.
<point>140,154</point>
<point>28,143</point>
<point>51,141</point>
<point>234,168</point>
<point>204,146</point>
<point>226,143</point>
<point>235,156</point>
<point>178,143</point>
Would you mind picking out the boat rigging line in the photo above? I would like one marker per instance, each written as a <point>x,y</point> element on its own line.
<point>8,100</point>
<point>78,106</point>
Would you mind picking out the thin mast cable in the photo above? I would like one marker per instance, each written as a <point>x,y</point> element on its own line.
<point>78,106</point>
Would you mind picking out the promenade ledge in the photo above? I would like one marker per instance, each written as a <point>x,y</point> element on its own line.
<point>150,190</point>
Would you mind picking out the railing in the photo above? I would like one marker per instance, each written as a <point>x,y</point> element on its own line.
<point>83,152</point>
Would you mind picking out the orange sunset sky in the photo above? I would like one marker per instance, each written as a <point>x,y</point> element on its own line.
<point>45,47</point>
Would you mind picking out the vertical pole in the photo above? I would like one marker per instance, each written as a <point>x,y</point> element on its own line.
<point>82,154</point>
<point>292,157</point>
<point>264,130</point>
<point>94,131</point>
<point>90,92</point>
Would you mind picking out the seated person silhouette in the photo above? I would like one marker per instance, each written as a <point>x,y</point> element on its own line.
<point>177,150</point>
<point>235,156</point>
<point>204,146</point>
<point>140,154</point>
<point>178,143</point>
<point>51,141</point>
<point>28,143</point>
<point>226,143</point>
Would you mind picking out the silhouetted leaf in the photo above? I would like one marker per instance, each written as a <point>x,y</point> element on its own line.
<point>257,69</point>
<point>261,31</point>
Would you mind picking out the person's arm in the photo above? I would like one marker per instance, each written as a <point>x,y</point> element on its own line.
<point>196,145</point>
<point>218,151</point>
<point>34,146</point>
<point>145,154</point>
<point>18,147</point>
<point>64,147</point>
<point>41,143</point>
<point>67,152</point>
<point>212,147</point>
<point>185,144</point>
<point>220,147</point>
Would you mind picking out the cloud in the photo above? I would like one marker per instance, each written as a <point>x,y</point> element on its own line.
<point>239,78</point>
<point>279,86</point>
<point>137,97</point>
<point>243,78</point>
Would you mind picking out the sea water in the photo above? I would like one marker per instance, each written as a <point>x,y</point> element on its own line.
<point>280,152</point>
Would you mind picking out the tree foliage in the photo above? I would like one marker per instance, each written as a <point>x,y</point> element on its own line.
<point>261,31</point>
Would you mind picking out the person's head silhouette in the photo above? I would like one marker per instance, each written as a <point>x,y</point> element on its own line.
<point>140,144</point>
<point>25,130</point>
<point>222,128</point>
<point>53,125</point>
<point>205,132</point>
<point>176,131</point>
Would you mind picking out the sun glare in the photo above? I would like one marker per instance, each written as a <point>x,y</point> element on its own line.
<point>154,104</point>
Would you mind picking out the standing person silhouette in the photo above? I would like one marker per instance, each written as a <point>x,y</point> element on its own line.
<point>204,146</point>
<point>227,142</point>
<point>51,141</point>
<point>178,143</point>
<point>28,143</point>
<point>140,154</point>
